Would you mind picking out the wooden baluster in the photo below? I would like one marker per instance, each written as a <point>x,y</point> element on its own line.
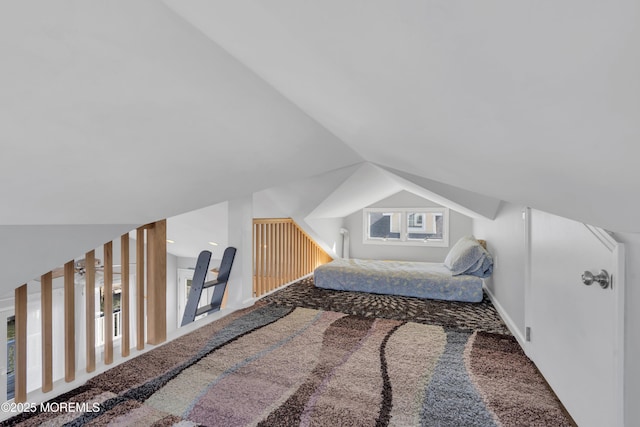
<point>108,303</point>
<point>274,255</point>
<point>309,255</point>
<point>259,260</point>
<point>21,344</point>
<point>289,253</point>
<point>255,259</point>
<point>157,283</point>
<point>298,253</point>
<point>277,256</point>
<point>124,296</point>
<point>46,310</point>
<point>90,309</point>
<point>140,339</point>
<point>270,256</point>
<point>261,253</point>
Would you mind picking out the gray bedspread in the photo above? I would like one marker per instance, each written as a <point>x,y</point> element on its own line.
<point>412,279</point>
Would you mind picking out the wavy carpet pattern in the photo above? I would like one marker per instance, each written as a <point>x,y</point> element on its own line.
<point>279,365</point>
<point>481,316</point>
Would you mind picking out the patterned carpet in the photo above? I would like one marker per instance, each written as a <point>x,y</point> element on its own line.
<point>278,364</point>
<point>480,316</point>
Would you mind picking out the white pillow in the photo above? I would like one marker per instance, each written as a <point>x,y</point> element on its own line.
<point>463,255</point>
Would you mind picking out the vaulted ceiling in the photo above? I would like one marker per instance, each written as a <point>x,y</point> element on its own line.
<point>532,102</point>
<point>126,112</point>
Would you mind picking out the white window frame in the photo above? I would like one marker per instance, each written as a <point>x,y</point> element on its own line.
<point>404,232</point>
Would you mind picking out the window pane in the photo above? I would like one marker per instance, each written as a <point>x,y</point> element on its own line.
<point>425,225</point>
<point>384,225</point>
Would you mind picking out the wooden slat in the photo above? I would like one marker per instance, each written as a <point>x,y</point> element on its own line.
<point>46,318</point>
<point>157,283</point>
<point>20,366</point>
<point>140,339</point>
<point>108,303</point>
<point>277,260</point>
<point>69,323</point>
<point>282,253</point>
<point>90,309</point>
<point>124,296</point>
<point>269,259</point>
<point>314,258</point>
<point>289,252</point>
<point>274,255</point>
<point>307,256</point>
<point>258,244</point>
<point>296,249</point>
<point>293,253</point>
<point>301,254</point>
<point>263,256</point>
<point>272,220</point>
<point>285,255</point>
<point>256,260</point>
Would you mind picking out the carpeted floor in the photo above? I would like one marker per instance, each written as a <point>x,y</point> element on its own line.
<point>282,363</point>
<point>480,316</point>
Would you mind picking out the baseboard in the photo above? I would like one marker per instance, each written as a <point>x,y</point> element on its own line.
<point>284,286</point>
<point>507,320</point>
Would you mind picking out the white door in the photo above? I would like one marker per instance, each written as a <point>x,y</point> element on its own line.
<point>576,330</point>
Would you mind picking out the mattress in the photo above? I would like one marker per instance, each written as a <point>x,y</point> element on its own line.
<point>411,279</point>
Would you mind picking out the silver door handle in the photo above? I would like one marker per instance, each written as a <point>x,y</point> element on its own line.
<point>602,278</point>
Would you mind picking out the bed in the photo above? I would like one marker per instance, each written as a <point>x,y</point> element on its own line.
<point>459,278</point>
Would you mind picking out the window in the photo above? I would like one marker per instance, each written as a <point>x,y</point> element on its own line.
<point>401,226</point>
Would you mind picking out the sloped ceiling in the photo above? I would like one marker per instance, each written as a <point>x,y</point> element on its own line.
<point>127,112</point>
<point>370,183</point>
<point>365,186</point>
<point>531,102</point>
<point>122,112</point>
<point>116,114</point>
<point>467,202</point>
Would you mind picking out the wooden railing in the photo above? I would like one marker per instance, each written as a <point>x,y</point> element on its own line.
<point>154,287</point>
<point>282,253</point>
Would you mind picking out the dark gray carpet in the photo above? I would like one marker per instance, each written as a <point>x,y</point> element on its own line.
<point>480,316</point>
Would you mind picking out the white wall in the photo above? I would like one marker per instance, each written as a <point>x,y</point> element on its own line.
<point>240,285</point>
<point>459,225</point>
<point>505,238</point>
<point>172,292</point>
